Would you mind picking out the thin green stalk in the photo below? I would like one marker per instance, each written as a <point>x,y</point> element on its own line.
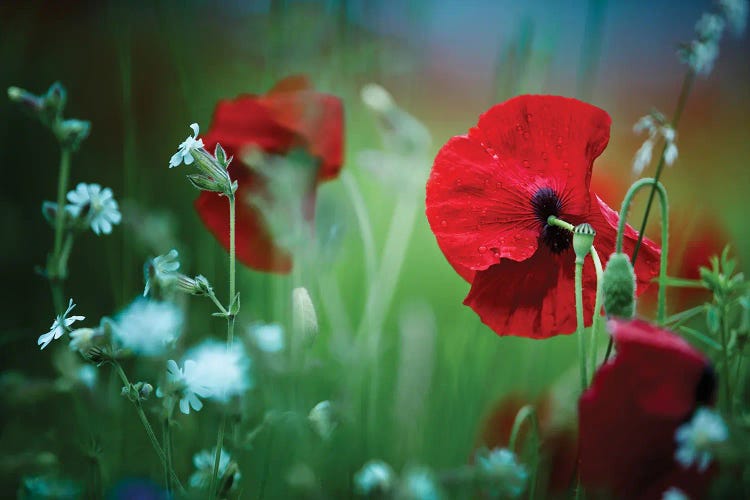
<point>579,323</point>
<point>167,437</point>
<point>55,268</point>
<point>527,413</point>
<point>363,222</point>
<point>596,320</point>
<point>728,406</point>
<point>147,426</point>
<point>687,85</point>
<point>217,456</point>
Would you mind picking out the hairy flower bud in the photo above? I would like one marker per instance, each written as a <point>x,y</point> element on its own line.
<point>618,285</point>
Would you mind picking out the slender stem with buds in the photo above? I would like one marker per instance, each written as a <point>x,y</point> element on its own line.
<point>55,265</point>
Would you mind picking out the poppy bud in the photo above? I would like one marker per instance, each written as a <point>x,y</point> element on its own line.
<point>618,285</point>
<point>583,240</point>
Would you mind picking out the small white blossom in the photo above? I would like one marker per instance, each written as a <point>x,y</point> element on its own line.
<point>643,157</point>
<point>268,337</point>
<point>697,439</point>
<point>162,270</point>
<point>87,375</point>
<point>148,326</point>
<point>97,205</point>
<point>419,484</point>
<point>710,26</point>
<point>736,13</point>
<point>59,326</point>
<point>374,476</point>
<point>223,370</point>
<point>204,465</point>
<point>183,154</point>
<point>674,494</point>
<point>655,124</point>
<point>500,466</point>
<point>81,339</point>
<point>185,384</point>
<point>701,55</point>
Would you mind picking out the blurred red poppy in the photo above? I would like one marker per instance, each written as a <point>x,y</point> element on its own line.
<point>488,199</point>
<point>290,116</point>
<point>629,415</point>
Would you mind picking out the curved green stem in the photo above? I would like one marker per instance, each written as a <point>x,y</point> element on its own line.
<point>527,413</point>
<point>596,320</point>
<point>232,269</point>
<point>554,221</point>
<point>687,85</point>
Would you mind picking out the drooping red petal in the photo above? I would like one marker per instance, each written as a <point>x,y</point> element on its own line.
<point>317,121</point>
<point>629,415</point>
<point>254,243</point>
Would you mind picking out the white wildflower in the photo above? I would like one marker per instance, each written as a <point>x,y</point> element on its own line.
<point>674,494</point>
<point>59,326</point>
<point>322,419</point>
<point>162,270</point>
<point>204,465</point>
<point>643,157</point>
<point>82,339</point>
<point>418,484</point>
<point>697,439</point>
<point>655,124</point>
<point>376,98</point>
<point>147,326</point>
<point>736,13</point>
<point>375,476</point>
<point>183,154</point>
<point>223,370</point>
<point>710,26</point>
<point>185,384</point>
<point>701,55</point>
<point>87,375</point>
<point>96,206</point>
<point>501,468</point>
<point>268,337</point>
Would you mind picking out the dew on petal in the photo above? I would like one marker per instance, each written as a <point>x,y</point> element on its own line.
<point>526,163</point>
<point>444,223</point>
<point>482,249</point>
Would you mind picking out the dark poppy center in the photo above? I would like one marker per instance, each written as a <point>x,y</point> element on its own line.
<point>546,202</point>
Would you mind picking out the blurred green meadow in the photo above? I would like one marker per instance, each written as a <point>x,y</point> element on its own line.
<point>142,71</point>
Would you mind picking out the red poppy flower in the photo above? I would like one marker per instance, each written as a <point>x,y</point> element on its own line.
<point>488,199</point>
<point>629,415</point>
<point>289,116</point>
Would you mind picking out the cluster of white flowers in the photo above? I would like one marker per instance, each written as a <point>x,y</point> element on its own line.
<point>223,370</point>
<point>162,270</point>
<point>204,465</point>
<point>655,124</point>
<point>418,484</point>
<point>184,150</point>
<point>147,326</point>
<point>268,338</point>
<point>375,476</point>
<point>697,439</point>
<point>185,384</point>
<point>96,206</point>
<point>503,470</point>
<point>700,54</point>
<point>60,325</point>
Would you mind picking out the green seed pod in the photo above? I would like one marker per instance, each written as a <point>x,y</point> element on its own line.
<point>618,285</point>
<point>583,240</point>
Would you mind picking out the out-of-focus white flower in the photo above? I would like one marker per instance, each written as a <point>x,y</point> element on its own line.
<point>376,98</point>
<point>81,339</point>
<point>503,470</point>
<point>322,419</point>
<point>303,313</point>
<point>736,13</point>
<point>374,476</point>
<point>655,124</point>
<point>643,156</point>
<point>147,326</point>
<point>268,337</point>
<point>701,55</point>
<point>161,270</point>
<point>223,370</point>
<point>59,326</point>
<point>185,384</point>
<point>674,494</point>
<point>710,26</point>
<point>98,206</point>
<point>697,439</point>
<point>87,375</point>
<point>204,465</point>
<point>183,154</point>
<point>418,484</point>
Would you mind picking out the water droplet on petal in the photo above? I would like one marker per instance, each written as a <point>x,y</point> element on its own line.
<point>526,163</point>
<point>482,249</point>
<point>529,116</point>
<point>444,223</point>
<point>498,185</point>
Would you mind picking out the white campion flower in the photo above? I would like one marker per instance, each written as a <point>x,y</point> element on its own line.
<point>374,476</point>
<point>655,124</point>
<point>697,439</point>
<point>60,325</point>
<point>674,494</point>
<point>501,467</point>
<point>223,370</point>
<point>183,154</point>
<point>701,55</point>
<point>185,384</point>
<point>162,270</point>
<point>419,484</point>
<point>710,26</point>
<point>148,326</point>
<point>268,337</point>
<point>735,12</point>
<point>87,375</point>
<point>204,465</point>
<point>98,206</point>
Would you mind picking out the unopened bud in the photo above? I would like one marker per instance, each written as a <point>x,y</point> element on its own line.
<point>72,132</point>
<point>618,286</point>
<point>28,100</point>
<point>583,240</point>
<point>54,100</point>
<point>214,175</point>
<point>193,286</point>
<point>145,391</point>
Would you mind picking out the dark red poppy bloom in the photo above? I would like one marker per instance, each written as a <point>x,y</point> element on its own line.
<point>488,199</point>
<point>290,116</point>
<point>629,415</point>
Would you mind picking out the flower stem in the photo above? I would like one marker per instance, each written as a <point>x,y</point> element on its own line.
<point>554,221</point>
<point>728,406</point>
<point>167,438</point>
<point>527,413</point>
<point>147,426</point>
<point>596,320</point>
<point>579,322</point>
<point>55,266</point>
<point>687,85</point>
<point>217,456</point>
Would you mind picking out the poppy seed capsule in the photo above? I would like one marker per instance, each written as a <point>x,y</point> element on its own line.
<point>583,240</point>
<point>618,285</point>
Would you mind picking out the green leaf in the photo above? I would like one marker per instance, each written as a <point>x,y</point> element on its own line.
<point>712,319</point>
<point>220,154</point>
<point>701,337</point>
<point>234,307</point>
